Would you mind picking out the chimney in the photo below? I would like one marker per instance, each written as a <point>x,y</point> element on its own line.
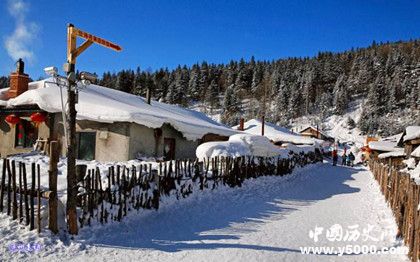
<point>18,80</point>
<point>148,95</point>
<point>241,124</point>
<point>262,125</point>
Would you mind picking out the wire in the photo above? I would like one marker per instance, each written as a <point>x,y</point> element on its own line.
<point>63,111</point>
<point>63,114</point>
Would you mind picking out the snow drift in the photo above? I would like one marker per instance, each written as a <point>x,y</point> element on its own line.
<point>245,145</point>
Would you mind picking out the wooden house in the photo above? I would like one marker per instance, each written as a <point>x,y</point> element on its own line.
<point>278,135</point>
<point>410,139</point>
<point>111,125</point>
<point>314,132</point>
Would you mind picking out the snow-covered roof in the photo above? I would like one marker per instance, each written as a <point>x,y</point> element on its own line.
<point>399,153</point>
<point>101,104</point>
<point>314,128</point>
<point>276,133</point>
<point>412,132</point>
<point>416,153</point>
<point>393,138</point>
<point>384,146</point>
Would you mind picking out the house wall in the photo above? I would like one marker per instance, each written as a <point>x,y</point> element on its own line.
<point>112,139</point>
<point>143,142</point>
<point>183,148</point>
<point>8,136</point>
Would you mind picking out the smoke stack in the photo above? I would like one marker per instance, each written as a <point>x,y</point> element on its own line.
<point>18,80</point>
<point>148,95</point>
<point>262,125</point>
<point>241,124</point>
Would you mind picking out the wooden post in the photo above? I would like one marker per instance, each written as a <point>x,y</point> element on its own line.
<point>27,221</point>
<point>14,206</point>
<point>156,191</point>
<point>71,132</point>
<point>39,199</point>
<point>9,183</point>
<point>52,184</point>
<point>3,177</point>
<point>32,224</point>
<point>20,193</point>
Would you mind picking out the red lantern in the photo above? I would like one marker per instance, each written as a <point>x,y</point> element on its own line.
<point>12,119</point>
<point>38,118</point>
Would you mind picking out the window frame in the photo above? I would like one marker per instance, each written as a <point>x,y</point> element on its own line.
<point>79,136</point>
<point>25,126</point>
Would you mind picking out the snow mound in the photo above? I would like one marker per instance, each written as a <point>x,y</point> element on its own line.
<point>240,145</point>
<point>416,153</point>
<point>258,145</point>
<point>412,132</point>
<point>412,169</point>
<point>300,148</point>
<point>107,105</point>
<point>225,149</point>
<point>275,133</point>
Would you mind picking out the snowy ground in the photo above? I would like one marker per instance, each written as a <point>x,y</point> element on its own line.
<point>268,219</point>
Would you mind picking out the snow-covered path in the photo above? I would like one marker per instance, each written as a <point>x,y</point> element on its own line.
<point>268,219</point>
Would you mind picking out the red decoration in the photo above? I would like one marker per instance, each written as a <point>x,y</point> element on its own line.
<point>12,119</point>
<point>38,118</point>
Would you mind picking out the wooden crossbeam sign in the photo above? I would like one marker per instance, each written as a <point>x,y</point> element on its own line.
<point>73,52</point>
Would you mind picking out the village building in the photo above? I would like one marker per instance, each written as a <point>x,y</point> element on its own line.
<point>111,125</point>
<point>314,132</point>
<point>410,139</point>
<point>386,148</point>
<point>277,134</point>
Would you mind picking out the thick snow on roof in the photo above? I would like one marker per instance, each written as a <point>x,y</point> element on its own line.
<point>314,128</point>
<point>412,132</point>
<point>107,105</point>
<point>275,133</point>
<point>394,138</point>
<point>399,153</point>
<point>416,153</point>
<point>384,146</point>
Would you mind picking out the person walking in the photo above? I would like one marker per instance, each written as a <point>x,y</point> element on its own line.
<point>343,159</point>
<point>351,158</point>
<point>334,157</point>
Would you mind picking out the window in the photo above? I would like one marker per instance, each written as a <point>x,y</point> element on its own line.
<point>86,145</point>
<point>168,148</point>
<point>26,134</point>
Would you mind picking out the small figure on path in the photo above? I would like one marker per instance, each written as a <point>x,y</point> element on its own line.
<point>334,157</point>
<point>344,159</point>
<point>351,159</point>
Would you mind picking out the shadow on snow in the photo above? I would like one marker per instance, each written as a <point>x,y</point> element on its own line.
<point>223,214</point>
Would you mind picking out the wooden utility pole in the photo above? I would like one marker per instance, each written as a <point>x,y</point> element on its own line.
<point>72,53</point>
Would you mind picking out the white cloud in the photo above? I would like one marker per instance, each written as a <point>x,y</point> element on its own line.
<point>18,44</point>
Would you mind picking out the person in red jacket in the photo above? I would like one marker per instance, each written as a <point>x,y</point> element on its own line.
<point>334,157</point>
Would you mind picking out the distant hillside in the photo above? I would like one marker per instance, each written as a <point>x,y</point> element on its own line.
<point>385,77</point>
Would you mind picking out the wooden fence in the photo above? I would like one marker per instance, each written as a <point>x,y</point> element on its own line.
<point>403,196</point>
<point>22,196</point>
<point>111,195</point>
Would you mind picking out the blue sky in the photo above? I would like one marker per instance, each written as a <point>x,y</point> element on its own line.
<point>157,34</point>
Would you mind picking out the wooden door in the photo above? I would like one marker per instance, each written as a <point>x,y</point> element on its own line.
<point>169,148</point>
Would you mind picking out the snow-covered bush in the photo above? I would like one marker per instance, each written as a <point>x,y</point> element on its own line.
<point>246,144</point>
<point>223,148</point>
